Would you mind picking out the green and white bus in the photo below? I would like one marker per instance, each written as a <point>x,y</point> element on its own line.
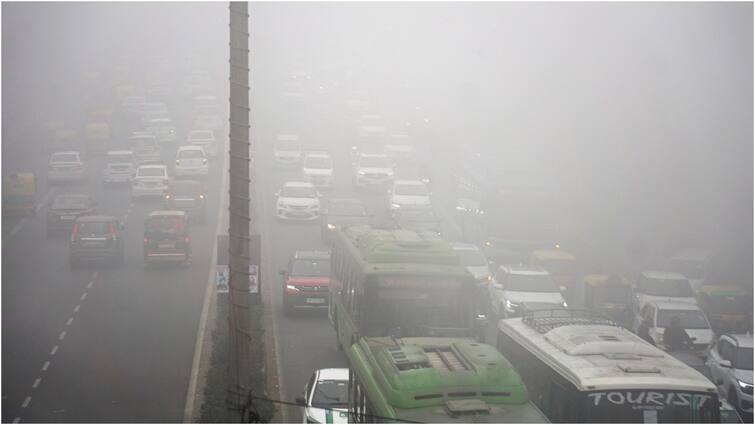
<point>435,380</point>
<point>399,283</point>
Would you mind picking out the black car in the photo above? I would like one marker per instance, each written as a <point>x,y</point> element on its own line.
<point>96,238</point>
<point>65,209</point>
<point>340,212</point>
<point>187,196</point>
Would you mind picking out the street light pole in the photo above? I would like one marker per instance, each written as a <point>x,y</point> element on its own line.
<point>239,212</point>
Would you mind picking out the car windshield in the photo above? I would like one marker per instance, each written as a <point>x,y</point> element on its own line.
<point>688,319</point>
<point>331,393</point>
<point>190,153</point>
<point>287,145</point>
<point>374,162</point>
<point>93,228</point>
<point>185,188</point>
<point>318,162</point>
<point>410,190</point>
<point>742,358</point>
<point>530,283</point>
<point>298,192</point>
<point>691,269</point>
<point>120,158</point>
<point>201,135</point>
<point>356,209</point>
<point>166,224</point>
<point>151,172</point>
<point>64,157</point>
<point>729,304</point>
<point>666,287</point>
<point>472,257</point>
<point>70,201</point>
<point>311,267</point>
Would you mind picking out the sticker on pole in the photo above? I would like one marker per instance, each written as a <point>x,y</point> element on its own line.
<point>221,278</point>
<point>254,286</point>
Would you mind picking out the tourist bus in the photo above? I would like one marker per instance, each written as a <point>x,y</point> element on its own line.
<point>581,367</point>
<point>435,380</point>
<point>400,283</point>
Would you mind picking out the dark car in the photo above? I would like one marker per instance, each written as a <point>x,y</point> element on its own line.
<point>65,209</point>
<point>188,196</point>
<point>167,238</point>
<point>96,238</point>
<point>341,212</point>
<point>306,281</point>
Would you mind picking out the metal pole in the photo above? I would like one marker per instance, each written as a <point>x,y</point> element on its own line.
<point>239,211</point>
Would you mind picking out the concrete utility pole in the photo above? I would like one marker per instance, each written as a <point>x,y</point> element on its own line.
<point>239,211</point>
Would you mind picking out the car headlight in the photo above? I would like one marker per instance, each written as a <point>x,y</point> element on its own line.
<point>565,305</point>
<point>395,205</point>
<point>743,385</point>
<point>511,306</point>
<point>292,288</point>
<point>489,278</point>
<point>362,173</point>
<point>390,173</point>
<point>331,226</point>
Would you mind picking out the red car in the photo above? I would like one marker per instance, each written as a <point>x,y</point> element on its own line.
<point>306,281</point>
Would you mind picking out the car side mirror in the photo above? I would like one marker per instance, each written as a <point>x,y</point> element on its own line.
<point>725,363</point>
<point>300,401</point>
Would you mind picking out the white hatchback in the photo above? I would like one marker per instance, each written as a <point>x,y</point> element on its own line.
<point>150,181</point>
<point>409,194</point>
<point>318,169</point>
<point>205,139</point>
<point>298,201</point>
<point>191,161</point>
<point>326,397</point>
<point>66,166</point>
<point>120,167</point>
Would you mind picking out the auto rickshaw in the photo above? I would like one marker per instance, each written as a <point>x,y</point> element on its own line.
<point>610,295</point>
<point>728,307</point>
<point>19,194</point>
<point>562,265</point>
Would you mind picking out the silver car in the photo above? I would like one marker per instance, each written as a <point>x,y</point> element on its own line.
<point>66,166</point>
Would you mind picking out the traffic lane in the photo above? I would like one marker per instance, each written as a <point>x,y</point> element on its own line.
<point>128,358</point>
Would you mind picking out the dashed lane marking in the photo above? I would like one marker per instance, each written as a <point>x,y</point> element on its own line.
<point>36,382</point>
<point>54,350</point>
<point>70,320</point>
<point>76,309</point>
<point>83,296</point>
<point>62,335</point>
<point>26,402</point>
<point>46,366</point>
<point>89,286</point>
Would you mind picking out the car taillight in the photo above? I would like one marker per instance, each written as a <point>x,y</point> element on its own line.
<point>113,231</point>
<point>146,241</point>
<point>74,232</point>
<point>187,239</point>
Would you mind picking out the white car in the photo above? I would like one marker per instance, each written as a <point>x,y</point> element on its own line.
<point>145,147</point>
<point>205,139</point>
<point>372,170</point>
<point>694,264</point>
<point>120,167</point>
<point>298,201</point>
<point>326,397</point>
<point>287,151</point>
<point>66,166</point>
<point>400,147</point>
<point>317,169</point>
<point>163,130</point>
<point>730,363</point>
<point>516,285</point>
<point>409,194</point>
<point>473,259</point>
<point>658,315</point>
<point>662,286</point>
<point>150,181</point>
<point>209,122</point>
<point>191,161</point>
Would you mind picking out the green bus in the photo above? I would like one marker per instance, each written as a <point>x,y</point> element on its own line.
<point>399,283</point>
<point>435,380</point>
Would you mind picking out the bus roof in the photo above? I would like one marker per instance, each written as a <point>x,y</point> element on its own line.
<point>398,246</point>
<point>469,381</point>
<point>601,356</point>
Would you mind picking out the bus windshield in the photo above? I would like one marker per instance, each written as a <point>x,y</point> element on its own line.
<point>650,406</point>
<point>415,311</point>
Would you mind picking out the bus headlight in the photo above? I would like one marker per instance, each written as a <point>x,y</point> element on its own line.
<point>511,306</point>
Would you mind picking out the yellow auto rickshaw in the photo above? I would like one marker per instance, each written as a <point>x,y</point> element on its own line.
<point>728,307</point>
<point>561,264</point>
<point>610,295</point>
<point>19,194</point>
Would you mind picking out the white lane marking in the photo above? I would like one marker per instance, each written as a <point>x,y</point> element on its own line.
<point>70,320</point>
<point>54,350</point>
<point>89,286</point>
<point>209,295</point>
<point>94,275</point>
<point>46,366</point>
<point>62,335</point>
<point>76,309</point>
<point>16,420</point>
<point>26,402</point>
<point>25,220</point>
<point>36,382</point>
<point>83,296</point>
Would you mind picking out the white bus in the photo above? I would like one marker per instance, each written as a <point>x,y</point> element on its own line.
<point>580,367</point>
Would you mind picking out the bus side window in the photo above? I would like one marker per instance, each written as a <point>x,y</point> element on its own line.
<point>353,298</point>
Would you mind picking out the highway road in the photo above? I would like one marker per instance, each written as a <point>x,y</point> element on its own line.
<point>99,344</point>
